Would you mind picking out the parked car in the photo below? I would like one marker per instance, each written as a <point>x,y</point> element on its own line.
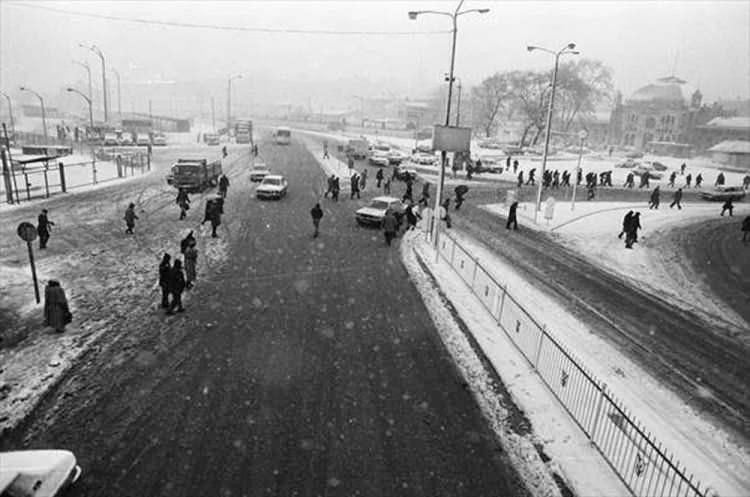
<point>402,172</point>
<point>379,158</point>
<point>724,193</point>
<point>655,165</point>
<point>126,138</point>
<point>489,165</point>
<point>259,171</point>
<point>640,169</point>
<point>110,140</point>
<point>160,140</point>
<point>210,139</point>
<point>373,214</point>
<point>424,159</point>
<point>634,154</point>
<point>272,186</point>
<point>491,145</point>
<point>396,157</point>
<point>32,473</point>
<point>143,139</point>
<point>628,164</point>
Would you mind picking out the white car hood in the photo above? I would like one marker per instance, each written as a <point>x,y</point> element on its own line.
<point>270,188</point>
<point>371,211</point>
<point>23,469</point>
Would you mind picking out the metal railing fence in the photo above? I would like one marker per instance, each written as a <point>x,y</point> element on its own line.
<point>640,461</point>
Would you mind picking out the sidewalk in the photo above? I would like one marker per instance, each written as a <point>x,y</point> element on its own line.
<point>707,451</point>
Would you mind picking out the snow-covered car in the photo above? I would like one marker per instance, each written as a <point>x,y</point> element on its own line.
<point>628,164</point>
<point>655,165</point>
<point>37,472</point>
<point>126,138</point>
<point>641,169</point>
<point>489,165</point>
<point>724,193</point>
<point>259,171</point>
<point>396,157</point>
<point>379,158</point>
<point>143,139</point>
<point>272,186</point>
<point>491,145</point>
<point>373,214</point>
<point>160,140</point>
<point>110,139</point>
<point>424,159</point>
<point>404,171</point>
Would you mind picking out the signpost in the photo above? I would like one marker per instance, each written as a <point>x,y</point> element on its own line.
<point>582,135</point>
<point>27,232</point>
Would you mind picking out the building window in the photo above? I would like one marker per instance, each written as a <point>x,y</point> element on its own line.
<point>650,123</point>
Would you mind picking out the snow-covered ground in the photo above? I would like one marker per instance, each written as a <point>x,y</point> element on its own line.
<point>592,228</point>
<point>716,459</point>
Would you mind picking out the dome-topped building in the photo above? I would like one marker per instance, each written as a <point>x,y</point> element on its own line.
<point>669,90</point>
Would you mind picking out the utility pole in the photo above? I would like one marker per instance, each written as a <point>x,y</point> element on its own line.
<point>119,95</point>
<point>213,115</point>
<point>10,111</point>
<point>458,106</point>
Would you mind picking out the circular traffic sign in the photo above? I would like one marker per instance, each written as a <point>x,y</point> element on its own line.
<point>583,134</point>
<point>27,232</point>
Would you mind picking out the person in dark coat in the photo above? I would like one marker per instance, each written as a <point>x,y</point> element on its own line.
<point>176,287</point>
<point>354,184</point>
<point>728,206</point>
<point>331,179</point>
<point>672,177</point>
<point>682,169</point>
<point>626,223</point>
<point>632,232</point>
<point>579,177</point>
<point>698,180</point>
<point>336,188</point>
<point>688,179</point>
<point>379,177</point>
<point>654,203</point>
<point>470,169</point>
<point>363,180</point>
<point>520,179</point>
<point>191,263</point>
<point>317,214</point>
<point>676,199</point>
<point>645,176</point>
<point>223,185</point>
<point>43,228</point>
<point>130,218</point>
<point>445,212</point>
<point>746,230</point>
<point>408,195</point>
<point>719,179</point>
<point>507,164</point>
<point>190,238</point>
<point>387,185</point>
<point>390,226</point>
<point>629,181</point>
<point>183,201</point>
<point>411,216</point>
<point>515,166</point>
<point>165,268</point>
<point>213,214</point>
<point>591,191</point>
<point>460,192</point>
<point>56,311</point>
<point>512,216</point>
<point>531,180</point>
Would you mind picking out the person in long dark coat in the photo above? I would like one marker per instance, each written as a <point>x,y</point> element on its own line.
<point>719,179</point>
<point>213,214</point>
<point>688,179</point>
<point>317,214</point>
<point>520,179</point>
<point>130,218</point>
<point>515,165</point>
<point>512,216</point>
<point>336,188</point>
<point>354,185</point>
<point>632,230</point>
<point>676,198</point>
<point>408,195</point>
<point>411,216</point>
<point>654,202</point>
<point>330,185</point>
<point>191,263</point>
<point>531,180</point>
<point>183,201</point>
<point>379,177</point>
<point>390,226</point>
<point>43,228</point>
<point>698,180</point>
<point>746,230</point>
<point>165,268</point>
<point>728,206</point>
<point>56,311</point>
<point>176,287</point>
<point>223,185</point>
<point>626,223</point>
<point>460,192</point>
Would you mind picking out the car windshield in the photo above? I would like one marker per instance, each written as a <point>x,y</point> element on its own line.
<point>260,167</point>
<point>379,204</point>
<point>187,169</point>
<point>272,181</point>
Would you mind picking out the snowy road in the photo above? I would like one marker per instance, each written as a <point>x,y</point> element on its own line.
<point>301,367</point>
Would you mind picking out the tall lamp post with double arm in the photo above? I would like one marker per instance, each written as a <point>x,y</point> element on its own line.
<point>443,155</point>
<point>88,101</point>
<point>98,52</point>
<point>229,102</point>
<point>567,49</point>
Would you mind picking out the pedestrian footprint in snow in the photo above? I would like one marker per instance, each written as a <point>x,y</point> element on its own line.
<point>130,218</point>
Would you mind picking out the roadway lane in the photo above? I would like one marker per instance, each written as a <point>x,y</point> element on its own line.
<point>303,367</point>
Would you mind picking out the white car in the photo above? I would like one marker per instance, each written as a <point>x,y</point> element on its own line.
<point>110,139</point>
<point>424,159</point>
<point>272,186</point>
<point>396,156</point>
<point>374,213</point>
<point>160,140</point>
<point>379,159</point>
<point>143,140</point>
<point>37,472</point>
<point>259,171</point>
<point>126,138</point>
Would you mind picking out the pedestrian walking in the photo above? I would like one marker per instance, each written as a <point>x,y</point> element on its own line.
<point>224,151</point>
<point>43,227</point>
<point>165,269</point>
<point>626,223</point>
<point>746,230</point>
<point>634,225</point>
<point>213,214</point>
<point>325,151</point>
<point>719,179</point>
<point>460,191</point>
<point>191,263</point>
<point>445,212</point>
<point>56,311</point>
<point>688,179</point>
<point>520,179</point>
<point>470,168</point>
<point>654,202</point>
<point>390,226</point>
<point>745,182</point>
<point>354,185</point>
<point>512,216</point>
<point>183,201</point>
<point>507,164</point>
<point>223,185</point>
<point>363,180</point>
<point>379,177</point>
<point>408,195</point>
<point>317,214</point>
<point>412,215</point>
<point>579,177</point>
<point>387,185</point>
<point>699,180</point>
<point>728,206</point>
<point>515,165</point>
<point>682,169</point>
<point>645,176</point>
<point>672,177</point>
<point>591,191</point>
<point>130,218</point>
<point>330,180</point>
<point>336,189</point>
<point>531,180</point>
<point>676,198</point>
<point>185,242</point>
<point>176,287</point>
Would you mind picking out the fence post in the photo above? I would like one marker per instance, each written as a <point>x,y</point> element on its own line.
<point>93,169</point>
<point>61,166</point>
<point>453,251</point>
<point>502,304</point>
<point>28,186</point>
<point>46,182</point>
<point>598,412</point>
<point>474,276</point>
<point>539,347</point>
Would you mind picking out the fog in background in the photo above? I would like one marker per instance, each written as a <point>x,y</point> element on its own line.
<point>706,43</point>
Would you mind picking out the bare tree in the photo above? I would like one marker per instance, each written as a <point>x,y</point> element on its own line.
<point>530,93</point>
<point>491,97</point>
<point>581,86</point>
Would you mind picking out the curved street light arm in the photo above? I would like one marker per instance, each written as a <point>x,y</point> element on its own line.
<point>414,13</point>
<point>479,11</point>
<point>531,48</point>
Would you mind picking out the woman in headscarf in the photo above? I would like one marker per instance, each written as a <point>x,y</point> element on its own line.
<point>56,311</point>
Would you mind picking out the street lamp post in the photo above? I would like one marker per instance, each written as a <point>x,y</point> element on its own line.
<point>86,66</point>
<point>119,95</point>
<point>458,104</point>
<point>88,101</point>
<point>229,102</point>
<point>10,111</point>
<point>581,136</point>
<point>443,155</point>
<point>98,52</point>
<point>567,49</point>
<point>44,115</point>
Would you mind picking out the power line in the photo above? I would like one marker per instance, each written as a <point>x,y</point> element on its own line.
<point>224,28</point>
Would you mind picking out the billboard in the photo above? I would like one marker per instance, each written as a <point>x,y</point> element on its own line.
<point>451,139</point>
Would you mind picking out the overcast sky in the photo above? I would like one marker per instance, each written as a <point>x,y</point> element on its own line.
<point>708,43</point>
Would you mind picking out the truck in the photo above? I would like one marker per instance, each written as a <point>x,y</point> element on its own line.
<point>195,174</point>
<point>358,148</point>
<point>243,131</point>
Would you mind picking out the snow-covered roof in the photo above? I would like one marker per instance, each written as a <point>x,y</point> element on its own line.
<point>732,147</point>
<point>729,123</point>
<point>669,89</point>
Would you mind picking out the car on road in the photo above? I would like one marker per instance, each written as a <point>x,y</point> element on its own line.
<point>490,145</point>
<point>490,164</point>
<point>160,141</point>
<point>424,159</point>
<point>654,165</point>
<point>628,164</point>
<point>272,186</point>
<point>374,212</point>
<point>642,168</point>
<point>30,473</point>
<point>110,140</point>
<point>404,171</point>
<point>379,158</point>
<point>396,157</point>
<point>211,139</point>
<point>143,139</point>
<point>126,138</point>
<point>259,171</point>
<point>724,193</point>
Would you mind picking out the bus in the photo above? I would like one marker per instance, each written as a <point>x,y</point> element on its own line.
<point>282,135</point>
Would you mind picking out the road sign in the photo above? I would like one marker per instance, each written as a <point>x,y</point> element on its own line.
<point>27,232</point>
<point>583,134</point>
